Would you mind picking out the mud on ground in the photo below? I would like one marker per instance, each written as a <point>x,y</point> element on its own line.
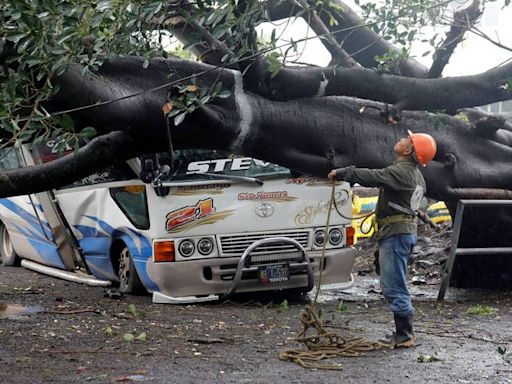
<point>52,331</point>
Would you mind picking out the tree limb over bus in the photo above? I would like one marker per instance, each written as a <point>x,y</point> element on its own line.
<point>103,64</point>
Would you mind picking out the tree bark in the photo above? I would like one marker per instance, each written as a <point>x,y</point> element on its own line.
<point>95,156</point>
<point>407,93</point>
<point>311,135</point>
<point>361,43</point>
<point>462,21</point>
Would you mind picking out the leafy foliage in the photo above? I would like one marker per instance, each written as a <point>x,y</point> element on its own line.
<point>187,98</point>
<point>481,310</point>
<point>40,38</point>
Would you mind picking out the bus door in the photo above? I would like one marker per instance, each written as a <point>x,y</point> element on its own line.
<point>49,215</point>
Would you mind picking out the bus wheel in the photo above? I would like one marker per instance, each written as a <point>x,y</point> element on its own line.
<point>8,255</point>
<point>129,281</point>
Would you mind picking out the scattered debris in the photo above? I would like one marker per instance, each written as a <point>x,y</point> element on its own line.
<point>209,340</point>
<point>418,280</point>
<point>480,310</point>
<point>112,293</point>
<point>505,355</point>
<point>428,359</point>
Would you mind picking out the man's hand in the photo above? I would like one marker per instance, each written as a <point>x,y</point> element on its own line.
<point>341,173</point>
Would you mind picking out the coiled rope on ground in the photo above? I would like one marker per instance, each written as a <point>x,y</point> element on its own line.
<point>324,345</point>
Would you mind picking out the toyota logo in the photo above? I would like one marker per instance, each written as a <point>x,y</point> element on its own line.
<point>264,210</point>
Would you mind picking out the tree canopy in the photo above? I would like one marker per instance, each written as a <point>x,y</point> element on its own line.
<point>108,72</point>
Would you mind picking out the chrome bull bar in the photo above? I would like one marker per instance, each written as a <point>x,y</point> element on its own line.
<point>245,265</point>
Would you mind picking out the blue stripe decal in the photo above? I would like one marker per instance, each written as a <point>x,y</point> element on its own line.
<point>45,249</point>
<point>31,230</point>
<point>28,217</point>
<point>87,231</point>
<point>96,253</point>
<point>140,254</point>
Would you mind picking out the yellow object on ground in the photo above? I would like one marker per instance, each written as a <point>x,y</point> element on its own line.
<point>360,207</point>
<point>437,212</point>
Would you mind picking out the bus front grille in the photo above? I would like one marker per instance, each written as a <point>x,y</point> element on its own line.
<point>235,245</point>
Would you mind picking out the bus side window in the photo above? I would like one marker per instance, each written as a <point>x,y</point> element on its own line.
<point>8,159</point>
<point>133,202</point>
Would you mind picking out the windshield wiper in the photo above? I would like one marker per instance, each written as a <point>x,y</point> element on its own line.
<point>233,177</point>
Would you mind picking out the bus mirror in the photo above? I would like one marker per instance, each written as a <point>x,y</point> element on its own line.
<point>161,190</point>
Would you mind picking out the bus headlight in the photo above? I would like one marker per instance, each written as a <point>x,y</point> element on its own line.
<point>319,238</point>
<point>205,246</point>
<point>335,236</point>
<point>186,248</point>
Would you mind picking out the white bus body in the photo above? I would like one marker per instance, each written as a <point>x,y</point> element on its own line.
<point>184,240</point>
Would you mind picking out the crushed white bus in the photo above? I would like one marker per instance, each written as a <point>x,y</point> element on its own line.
<point>212,226</point>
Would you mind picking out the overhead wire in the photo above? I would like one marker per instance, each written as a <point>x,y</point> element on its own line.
<point>224,65</point>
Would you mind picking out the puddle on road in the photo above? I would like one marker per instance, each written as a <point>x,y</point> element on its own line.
<point>16,312</point>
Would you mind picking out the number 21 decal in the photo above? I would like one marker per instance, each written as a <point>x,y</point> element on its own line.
<point>189,213</point>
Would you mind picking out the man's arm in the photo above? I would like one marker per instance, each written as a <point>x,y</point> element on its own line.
<point>365,176</point>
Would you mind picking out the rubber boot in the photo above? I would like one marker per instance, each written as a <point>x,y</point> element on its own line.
<point>404,335</point>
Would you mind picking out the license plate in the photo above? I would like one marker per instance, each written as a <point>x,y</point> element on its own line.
<point>273,273</point>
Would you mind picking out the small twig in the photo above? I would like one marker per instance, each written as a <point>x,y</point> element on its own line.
<point>72,312</point>
<point>72,352</point>
<point>460,335</point>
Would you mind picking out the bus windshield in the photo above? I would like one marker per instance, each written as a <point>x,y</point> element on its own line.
<point>197,164</point>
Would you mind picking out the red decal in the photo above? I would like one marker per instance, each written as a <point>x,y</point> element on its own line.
<point>190,213</point>
<point>204,208</point>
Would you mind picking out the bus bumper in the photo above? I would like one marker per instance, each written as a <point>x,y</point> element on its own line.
<point>202,280</point>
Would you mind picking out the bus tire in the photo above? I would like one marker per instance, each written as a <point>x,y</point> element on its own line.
<point>8,255</point>
<point>129,281</point>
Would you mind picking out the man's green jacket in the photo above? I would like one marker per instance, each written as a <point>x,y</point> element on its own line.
<point>401,189</point>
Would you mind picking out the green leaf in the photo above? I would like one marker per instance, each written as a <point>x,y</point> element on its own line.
<point>88,132</point>
<point>224,94</point>
<point>427,359</point>
<point>16,37</point>
<point>132,310</point>
<point>143,336</point>
<point>128,337</point>
<point>67,123</point>
<point>179,118</point>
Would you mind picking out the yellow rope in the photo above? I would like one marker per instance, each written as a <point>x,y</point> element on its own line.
<point>323,344</point>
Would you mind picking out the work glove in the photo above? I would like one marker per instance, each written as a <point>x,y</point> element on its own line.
<point>344,173</point>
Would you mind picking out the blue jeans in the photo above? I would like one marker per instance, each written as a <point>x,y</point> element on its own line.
<point>394,252</point>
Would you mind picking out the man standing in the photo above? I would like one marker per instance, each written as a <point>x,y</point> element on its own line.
<point>401,189</point>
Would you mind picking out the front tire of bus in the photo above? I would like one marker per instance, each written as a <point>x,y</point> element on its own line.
<point>129,281</point>
<point>8,255</point>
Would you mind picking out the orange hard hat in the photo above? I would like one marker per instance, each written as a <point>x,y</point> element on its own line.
<point>425,146</point>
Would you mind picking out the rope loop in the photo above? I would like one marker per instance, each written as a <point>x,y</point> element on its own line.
<point>323,344</point>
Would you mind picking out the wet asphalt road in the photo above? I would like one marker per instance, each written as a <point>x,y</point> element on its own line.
<point>52,331</point>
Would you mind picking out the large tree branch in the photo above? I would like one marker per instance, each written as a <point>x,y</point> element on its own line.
<point>94,157</point>
<point>206,47</point>
<point>405,93</point>
<point>339,56</point>
<point>132,99</point>
<point>361,43</point>
<point>300,133</point>
<point>462,21</point>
